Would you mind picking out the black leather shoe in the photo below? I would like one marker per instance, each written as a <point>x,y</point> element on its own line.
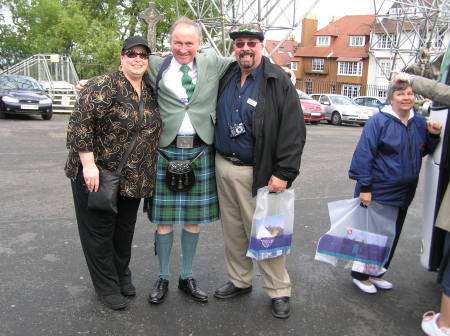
<point>128,289</point>
<point>280,307</point>
<point>114,301</point>
<point>159,291</point>
<point>189,286</point>
<point>229,290</point>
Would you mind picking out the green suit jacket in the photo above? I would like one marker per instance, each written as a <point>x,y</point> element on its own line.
<point>202,106</point>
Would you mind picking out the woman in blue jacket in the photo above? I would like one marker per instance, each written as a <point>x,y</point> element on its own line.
<point>387,160</point>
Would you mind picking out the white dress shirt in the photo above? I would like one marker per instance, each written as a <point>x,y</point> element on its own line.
<point>172,79</point>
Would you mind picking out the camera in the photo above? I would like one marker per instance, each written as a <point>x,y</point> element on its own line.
<point>236,130</point>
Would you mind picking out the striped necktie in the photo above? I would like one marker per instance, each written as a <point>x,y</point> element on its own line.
<point>186,81</point>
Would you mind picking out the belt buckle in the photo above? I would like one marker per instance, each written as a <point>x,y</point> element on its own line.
<point>185,141</point>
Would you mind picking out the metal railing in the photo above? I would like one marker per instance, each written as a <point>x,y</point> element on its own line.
<point>351,90</point>
<point>55,73</point>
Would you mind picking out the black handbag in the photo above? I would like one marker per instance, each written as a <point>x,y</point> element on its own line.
<point>180,176</point>
<point>105,198</point>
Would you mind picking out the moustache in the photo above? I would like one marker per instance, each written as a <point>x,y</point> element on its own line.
<point>246,53</point>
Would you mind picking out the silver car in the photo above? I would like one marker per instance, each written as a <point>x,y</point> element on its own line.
<point>341,109</point>
<point>372,102</point>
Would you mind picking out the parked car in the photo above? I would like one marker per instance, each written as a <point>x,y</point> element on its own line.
<point>339,109</point>
<point>23,95</point>
<point>312,110</point>
<point>372,102</point>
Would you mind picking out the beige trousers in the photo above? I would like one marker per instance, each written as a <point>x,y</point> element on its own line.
<point>234,185</point>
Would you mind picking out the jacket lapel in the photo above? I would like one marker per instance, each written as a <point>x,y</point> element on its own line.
<point>201,73</point>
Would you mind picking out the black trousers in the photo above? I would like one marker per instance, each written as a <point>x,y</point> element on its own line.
<point>398,230</point>
<point>106,239</point>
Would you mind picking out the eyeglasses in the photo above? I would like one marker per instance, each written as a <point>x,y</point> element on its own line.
<point>241,44</point>
<point>133,54</point>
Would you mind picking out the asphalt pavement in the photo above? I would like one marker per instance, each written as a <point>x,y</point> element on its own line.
<point>45,287</point>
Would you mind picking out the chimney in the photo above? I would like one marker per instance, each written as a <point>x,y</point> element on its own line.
<point>309,27</point>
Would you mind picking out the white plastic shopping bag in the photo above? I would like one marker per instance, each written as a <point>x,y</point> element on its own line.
<point>272,224</point>
<point>360,238</point>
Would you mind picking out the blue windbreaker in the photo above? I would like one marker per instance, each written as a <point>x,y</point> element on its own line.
<point>388,157</point>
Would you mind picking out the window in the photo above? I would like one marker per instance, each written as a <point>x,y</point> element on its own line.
<point>323,41</point>
<point>294,65</point>
<point>333,88</point>
<point>395,11</point>
<point>373,102</point>
<point>386,41</point>
<point>437,39</point>
<point>351,90</point>
<point>324,100</point>
<point>308,87</point>
<point>357,41</point>
<point>350,68</point>
<point>317,64</point>
<point>382,93</point>
<point>384,68</point>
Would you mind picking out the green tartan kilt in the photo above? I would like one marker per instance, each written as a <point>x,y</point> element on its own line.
<point>196,206</point>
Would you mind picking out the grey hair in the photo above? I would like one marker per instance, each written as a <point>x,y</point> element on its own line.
<point>186,21</point>
<point>396,86</point>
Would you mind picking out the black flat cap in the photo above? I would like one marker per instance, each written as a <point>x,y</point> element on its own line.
<point>133,41</point>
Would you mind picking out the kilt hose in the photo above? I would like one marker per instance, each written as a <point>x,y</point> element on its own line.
<point>198,205</point>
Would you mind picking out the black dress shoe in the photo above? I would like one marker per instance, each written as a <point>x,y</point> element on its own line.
<point>128,289</point>
<point>114,301</point>
<point>280,307</point>
<point>229,290</point>
<point>159,291</point>
<point>189,286</point>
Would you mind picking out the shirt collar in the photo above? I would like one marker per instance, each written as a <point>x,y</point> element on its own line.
<point>255,73</point>
<point>177,65</point>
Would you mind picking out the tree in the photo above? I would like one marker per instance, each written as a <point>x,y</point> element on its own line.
<point>89,31</point>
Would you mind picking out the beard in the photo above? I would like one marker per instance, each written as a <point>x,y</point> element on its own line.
<point>246,64</point>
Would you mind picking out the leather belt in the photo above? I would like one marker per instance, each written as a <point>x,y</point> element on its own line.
<point>187,141</point>
<point>235,161</point>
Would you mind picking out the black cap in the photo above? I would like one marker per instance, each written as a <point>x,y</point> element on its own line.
<point>247,30</point>
<point>133,41</point>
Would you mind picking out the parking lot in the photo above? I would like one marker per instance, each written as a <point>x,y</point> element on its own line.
<point>45,287</point>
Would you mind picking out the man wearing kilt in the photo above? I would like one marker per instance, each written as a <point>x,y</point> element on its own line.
<point>186,86</point>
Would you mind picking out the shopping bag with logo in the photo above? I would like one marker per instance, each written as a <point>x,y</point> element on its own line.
<point>360,238</point>
<point>272,224</point>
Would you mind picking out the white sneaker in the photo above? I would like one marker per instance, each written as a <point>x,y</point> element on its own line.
<point>370,289</point>
<point>380,283</point>
<point>430,326</point>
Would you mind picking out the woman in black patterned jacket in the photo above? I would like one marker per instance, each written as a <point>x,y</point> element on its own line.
<point>101,127</point>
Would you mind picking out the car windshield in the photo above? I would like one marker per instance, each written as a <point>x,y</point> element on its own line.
<point>15,82</point>
<point>303,95</point>
<point>341,100</point>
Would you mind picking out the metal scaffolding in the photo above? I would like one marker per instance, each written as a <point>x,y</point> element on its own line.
<point>411,34</point>
<point>217,16</point>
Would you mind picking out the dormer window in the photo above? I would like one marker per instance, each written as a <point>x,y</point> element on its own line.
<point>357,41</point>
<point>323,41</point>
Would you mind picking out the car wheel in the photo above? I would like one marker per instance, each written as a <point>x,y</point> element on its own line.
<point>47,116</point>
<point>336,119</point>
<point>2,113</point>
<point>314,122</point>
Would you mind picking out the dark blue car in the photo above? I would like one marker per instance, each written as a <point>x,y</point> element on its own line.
<point>23,95</point>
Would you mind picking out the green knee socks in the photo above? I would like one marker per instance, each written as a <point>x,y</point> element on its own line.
<point>188,246</point>
<point>163,246</point>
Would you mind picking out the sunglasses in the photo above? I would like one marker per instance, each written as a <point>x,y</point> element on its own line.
<point>133,54</point>
<point>241,44</point>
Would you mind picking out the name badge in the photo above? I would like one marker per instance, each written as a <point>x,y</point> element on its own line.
<point>251,102</point>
